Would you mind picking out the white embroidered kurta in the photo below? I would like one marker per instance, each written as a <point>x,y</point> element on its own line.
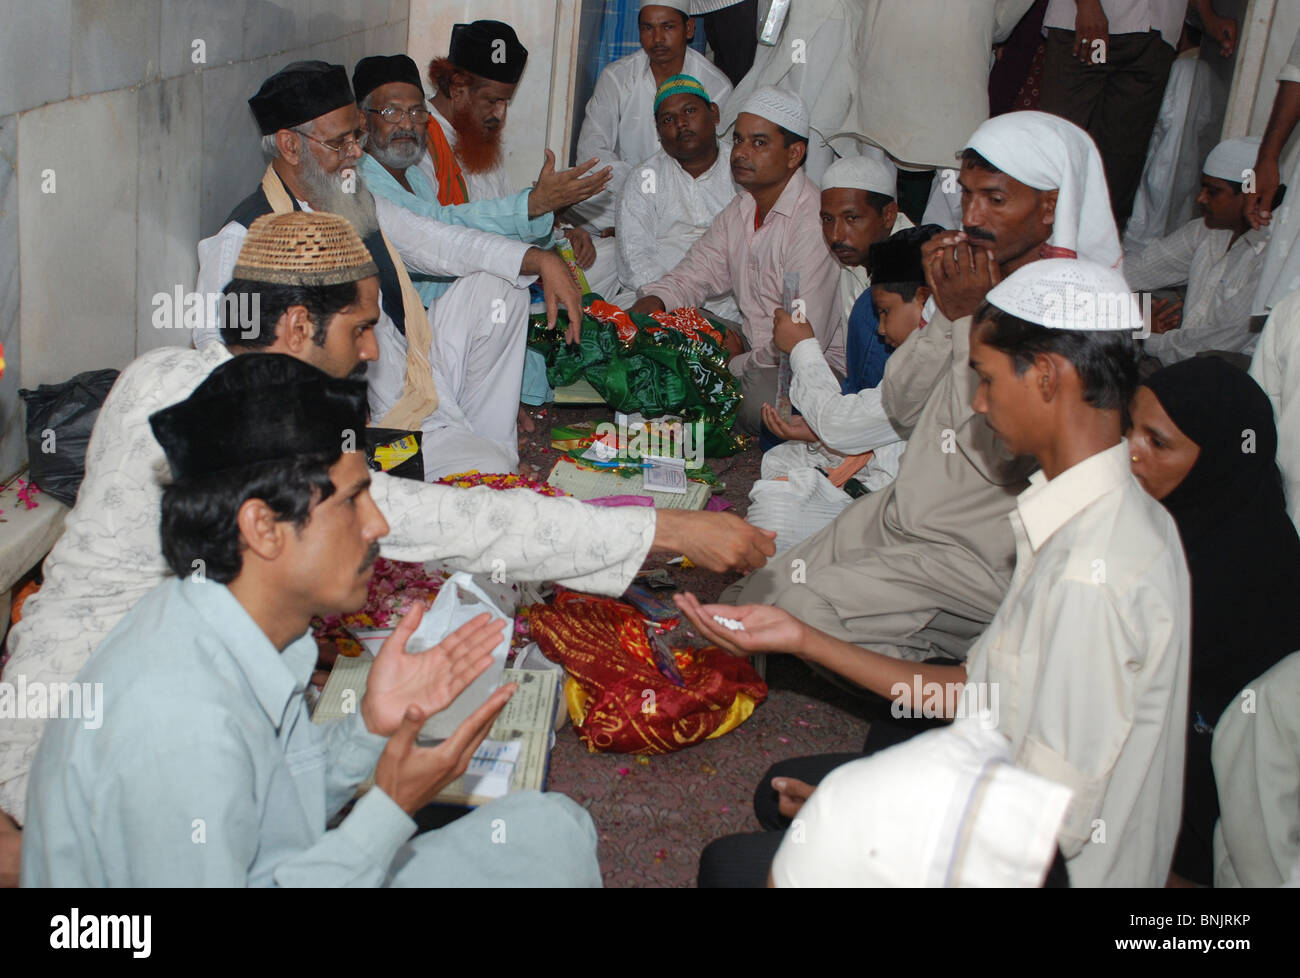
<point>1276,368</point>
<point>1088,656</point>
<point>662,211</point>
<point>456,439</point>
<point>1220,281</point>
<point>619,124</point>
<point>110,555</point>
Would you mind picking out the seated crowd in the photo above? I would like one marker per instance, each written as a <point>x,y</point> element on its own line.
<point>1069,516</point>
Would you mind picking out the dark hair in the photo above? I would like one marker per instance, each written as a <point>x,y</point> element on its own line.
<point>200,515</point>
<point>1106,360</point>
<point>895,264</point>
<point>790,139</point>
<point>878,202</point>
<point>322,302</point>
<point>971,158</point>
<point>905,290</point>
<point>1278,195</point>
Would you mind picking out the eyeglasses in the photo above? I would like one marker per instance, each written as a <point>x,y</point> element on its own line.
<point>340,144</point>
<point>394,114</point>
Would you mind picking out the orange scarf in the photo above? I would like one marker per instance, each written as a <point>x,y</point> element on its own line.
<point>451,182</point>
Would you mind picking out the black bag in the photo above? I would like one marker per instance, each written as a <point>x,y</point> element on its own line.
<point>60,418</point>
<point>390,450</point>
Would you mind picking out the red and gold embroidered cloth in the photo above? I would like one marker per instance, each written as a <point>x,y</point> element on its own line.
<point>618,699</point>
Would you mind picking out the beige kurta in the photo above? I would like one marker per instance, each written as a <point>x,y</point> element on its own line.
<point>920,567</point>
<point>1257,768</point>
<point>1086,663</point>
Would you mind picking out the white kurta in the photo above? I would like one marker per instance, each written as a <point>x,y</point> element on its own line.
<point>1281,274</point>
<point>1276,368</point>
<point>110,555</point>
<point>619,124</point>
<point>1125,16</point>
<point>1088,657</point>
<point>1220,283</point>
<point>662,210</point>
<point>1166,195</point>
<point>868,68</point>
<point>1257,769</point>
<point>454,439</point>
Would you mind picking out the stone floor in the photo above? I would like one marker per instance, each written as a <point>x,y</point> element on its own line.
<point>655,813</point>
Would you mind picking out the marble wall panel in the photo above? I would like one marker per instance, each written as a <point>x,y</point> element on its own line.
<point>231,154</point>
<point>33,74</point>
<point>78,244</point>
<point>170,137</point>
<point>220,26</point>
<point>115,44</point>
<point>12,449</point>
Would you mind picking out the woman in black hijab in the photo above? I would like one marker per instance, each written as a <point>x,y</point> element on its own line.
<point>1204,443</point>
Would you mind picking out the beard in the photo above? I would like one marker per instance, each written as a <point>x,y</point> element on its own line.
<point>477,148</point>
<point>328,192</point>
<point>398,153</point>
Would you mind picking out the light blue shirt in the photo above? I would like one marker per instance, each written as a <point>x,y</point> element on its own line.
<point>207,769</point>
<point>507,216</point>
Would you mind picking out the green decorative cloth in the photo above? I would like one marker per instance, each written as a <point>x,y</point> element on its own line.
<point>655,371</point>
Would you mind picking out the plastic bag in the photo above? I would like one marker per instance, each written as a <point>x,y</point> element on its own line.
<point>460,600</point>
<point>60,418</point>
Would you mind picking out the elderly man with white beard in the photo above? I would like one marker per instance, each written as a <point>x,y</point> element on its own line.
<point>482,356</point>
<point>313,134</point>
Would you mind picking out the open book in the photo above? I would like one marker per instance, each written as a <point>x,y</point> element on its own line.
<point>516,755</point>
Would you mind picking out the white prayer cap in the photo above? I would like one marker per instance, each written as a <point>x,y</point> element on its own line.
<point>1046,152</point>
<point>1231,158</point>
<point>862,173</point>
<point>681,5</point>
<point>1068,293</point>
<point>776,105</point>
<point>946,808</point>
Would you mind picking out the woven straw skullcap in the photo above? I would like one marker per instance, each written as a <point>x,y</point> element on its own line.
<point>303,248</point>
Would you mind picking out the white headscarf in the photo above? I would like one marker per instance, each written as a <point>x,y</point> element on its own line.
<point>946,808</point>
<point>1046,152</point>
<point>1231,159</point>
<point>776,105</point>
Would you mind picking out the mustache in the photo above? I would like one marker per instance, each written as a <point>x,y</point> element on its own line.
<point>371,556</point>
<point>979,234</point>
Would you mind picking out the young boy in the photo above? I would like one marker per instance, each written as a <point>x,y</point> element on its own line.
<point>1086,660</point>
<point>839,436</point>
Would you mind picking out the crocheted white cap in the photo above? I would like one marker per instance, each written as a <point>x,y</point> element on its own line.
<point>1231,159</point>
<point>1068,293</point>
<point>786,109</point>
<point>862,173</point>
